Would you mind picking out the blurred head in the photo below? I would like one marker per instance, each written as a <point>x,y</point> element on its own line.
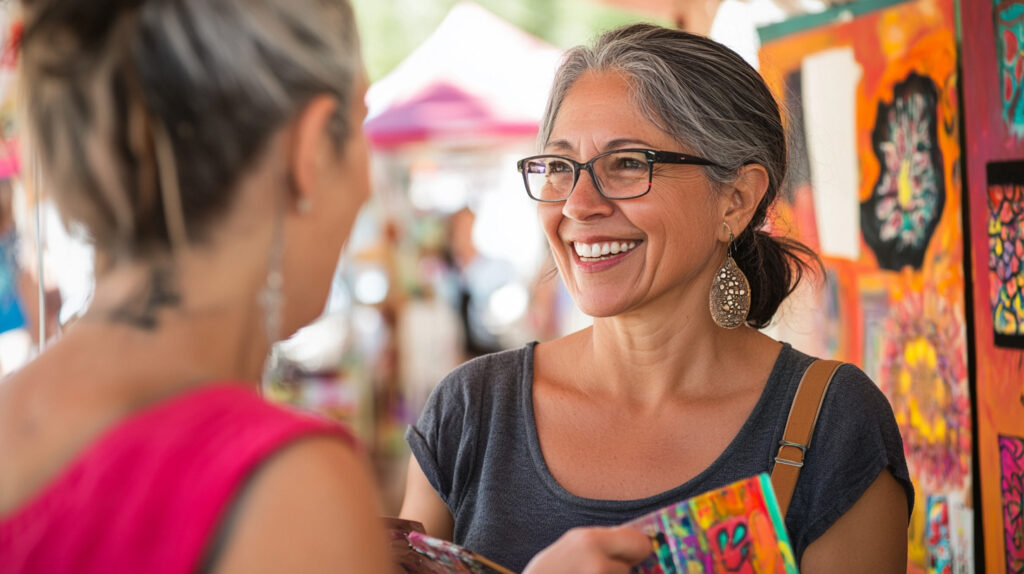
<point>106,79</point>
<point>147,112</point>
<point>694,96</point>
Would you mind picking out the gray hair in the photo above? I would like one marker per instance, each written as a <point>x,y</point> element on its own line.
<point>715,104</point>
<point>108,83</point>
<point>699,92</point>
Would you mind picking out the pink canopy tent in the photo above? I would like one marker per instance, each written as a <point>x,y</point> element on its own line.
<point>443,111</point>
<point>476,77</point>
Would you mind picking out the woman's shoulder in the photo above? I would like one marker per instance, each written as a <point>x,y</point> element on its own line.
<point>849,384</point>
<point>495,373</point>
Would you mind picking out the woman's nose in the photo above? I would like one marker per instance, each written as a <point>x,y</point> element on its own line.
<point>586,201</point>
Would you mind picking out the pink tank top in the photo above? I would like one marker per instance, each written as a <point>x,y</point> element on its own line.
<point>149,494</point>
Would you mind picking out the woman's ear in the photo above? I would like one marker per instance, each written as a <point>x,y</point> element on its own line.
<point>743,196</point>
<point>310,149</point>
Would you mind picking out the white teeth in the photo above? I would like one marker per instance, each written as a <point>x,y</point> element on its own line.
<point>596,250</point>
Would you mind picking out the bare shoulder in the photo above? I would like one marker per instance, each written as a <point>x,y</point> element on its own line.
<point>312,508</point>
<point>43,425</point>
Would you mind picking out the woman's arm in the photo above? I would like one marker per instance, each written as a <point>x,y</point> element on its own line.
<point>424,505</point>
<point>312,509</point>
<point>870,537</point>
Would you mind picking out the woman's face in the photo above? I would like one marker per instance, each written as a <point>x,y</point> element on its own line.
<point>669,234</point>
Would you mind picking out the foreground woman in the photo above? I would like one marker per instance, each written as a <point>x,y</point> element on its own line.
<point>212,151</point>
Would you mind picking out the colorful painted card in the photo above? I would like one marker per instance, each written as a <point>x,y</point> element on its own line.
<point>736,528</point>
<point>454,558</point>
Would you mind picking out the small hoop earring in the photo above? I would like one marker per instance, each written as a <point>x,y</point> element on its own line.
<point>729,299</point>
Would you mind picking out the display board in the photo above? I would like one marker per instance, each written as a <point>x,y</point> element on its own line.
<point>993,66</point>
<point>876,187</point>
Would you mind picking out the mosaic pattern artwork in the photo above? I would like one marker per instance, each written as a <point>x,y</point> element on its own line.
<point>940,555</point>
<point>927,387</point>
<point>1006,252</point>
<point>906,202</point>
<point>1009,29</point>
<point>1011,455</point>
<point>736,528</point>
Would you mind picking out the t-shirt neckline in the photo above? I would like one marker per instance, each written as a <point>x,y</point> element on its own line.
<point>689,488</point>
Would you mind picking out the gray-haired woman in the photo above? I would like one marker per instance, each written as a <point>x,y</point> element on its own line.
<point>212,151</point>
<point>662,154</point>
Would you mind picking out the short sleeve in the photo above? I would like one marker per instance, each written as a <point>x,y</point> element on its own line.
<point>855,439</point>
<point>443,438</point>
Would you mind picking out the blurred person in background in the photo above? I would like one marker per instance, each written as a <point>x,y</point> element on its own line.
<point>478,277</point>
<point>663,153</point>
<point>212,151</point>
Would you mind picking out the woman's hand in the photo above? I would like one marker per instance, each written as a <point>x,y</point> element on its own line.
<point>593,550</point>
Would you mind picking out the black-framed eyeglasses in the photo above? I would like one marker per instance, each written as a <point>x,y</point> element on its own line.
<point>617,174</point>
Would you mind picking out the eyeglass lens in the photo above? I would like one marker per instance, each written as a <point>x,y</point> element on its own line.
<point>619,175</point>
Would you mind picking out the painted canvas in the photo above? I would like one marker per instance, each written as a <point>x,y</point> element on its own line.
<point>1011,455</point>
<point>883,149</point>
<point>736,528</point>
<point>994,137</point>
<point>1009,24</point>
<point>1006,252</point>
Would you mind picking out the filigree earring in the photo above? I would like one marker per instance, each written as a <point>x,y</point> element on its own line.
<point>730,293</point>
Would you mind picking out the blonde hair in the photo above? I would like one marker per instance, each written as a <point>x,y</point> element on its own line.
<point>123,99</point>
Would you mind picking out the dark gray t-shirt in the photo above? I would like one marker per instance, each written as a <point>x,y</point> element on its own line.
<point>476,441</point>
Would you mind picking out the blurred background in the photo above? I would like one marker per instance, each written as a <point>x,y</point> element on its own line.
<point>907,175</point>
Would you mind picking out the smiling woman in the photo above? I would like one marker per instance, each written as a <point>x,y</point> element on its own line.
<point>662,153</point>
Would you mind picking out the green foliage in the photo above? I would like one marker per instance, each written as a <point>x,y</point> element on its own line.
<point>391,29</point>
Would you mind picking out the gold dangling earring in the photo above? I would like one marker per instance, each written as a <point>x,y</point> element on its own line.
<point>730,293</point>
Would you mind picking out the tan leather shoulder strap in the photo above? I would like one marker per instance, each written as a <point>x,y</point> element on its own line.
<point>796,439</point>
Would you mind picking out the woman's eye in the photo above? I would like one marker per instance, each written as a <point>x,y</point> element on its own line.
<point>558,167</point>
<point>628,163</point>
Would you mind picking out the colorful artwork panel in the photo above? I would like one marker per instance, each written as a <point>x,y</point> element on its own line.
<point>1006,252</point>
<point>1009,23</point>
<point>1011,454</point>
<point>874,304</point>
<point>905,205</point>
<point>737,528</point>
<point>927,387</point>
<point>937,536</point>
<point>903,313</point>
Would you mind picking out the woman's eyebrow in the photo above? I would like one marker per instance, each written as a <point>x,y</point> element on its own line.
<point>564,145</point>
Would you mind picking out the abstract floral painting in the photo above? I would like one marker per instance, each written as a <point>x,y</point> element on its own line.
<point>1009,23</point>
<point>928,387</point>
<point>1011,454</point>
<point>900,216</point>
<point>1006,251</point>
